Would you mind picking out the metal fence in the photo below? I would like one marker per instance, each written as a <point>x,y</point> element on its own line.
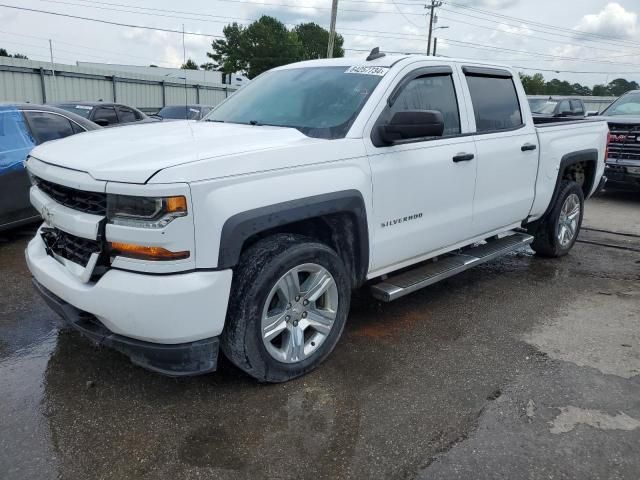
<point>37,82</point>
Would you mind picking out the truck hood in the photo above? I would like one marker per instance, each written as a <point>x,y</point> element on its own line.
<point>134,153</point>
<point>621,119</point>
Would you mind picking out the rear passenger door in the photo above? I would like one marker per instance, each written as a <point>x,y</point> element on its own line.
<point>49,126</point>
<point>105,116</point>
<point>577,108</point>
<point>126,115</point>
<point>422,189</point>
<point>506,146</point>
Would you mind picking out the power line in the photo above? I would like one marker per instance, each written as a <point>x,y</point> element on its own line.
<point>536,37</point>
<point>453,42</point>
<point>576,71</point>
<point>119,54</point>
<point>494,14</point>
<point>108,22</point>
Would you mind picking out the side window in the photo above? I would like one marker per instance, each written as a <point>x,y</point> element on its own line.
<point>77,128</point>
<point>495,103</point>
<point>433,92</point>
<point>48,126</point>
<point>126,115</point>
<point>564,107</point>
<point>106,113</point>
<point>15,140</point>
<point>576,107</point>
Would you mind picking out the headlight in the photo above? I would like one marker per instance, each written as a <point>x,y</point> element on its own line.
<point>145,212</point>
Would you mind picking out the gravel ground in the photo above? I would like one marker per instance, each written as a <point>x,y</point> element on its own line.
<point>521,368</point>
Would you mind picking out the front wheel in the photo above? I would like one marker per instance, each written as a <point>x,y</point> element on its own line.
<point>289,303</point>
<point>558,232</point>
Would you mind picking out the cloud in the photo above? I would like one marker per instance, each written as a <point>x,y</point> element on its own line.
<point>168,46</point>
<point>511,35</point>
<point>613,20</point>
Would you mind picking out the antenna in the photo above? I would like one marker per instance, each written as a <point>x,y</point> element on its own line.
<point>184,62</point>
<point>375,54</point>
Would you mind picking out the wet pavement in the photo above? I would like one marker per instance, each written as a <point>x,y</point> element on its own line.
<point>521,368</point>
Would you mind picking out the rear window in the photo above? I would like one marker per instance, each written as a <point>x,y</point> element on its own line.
<point>495,103</point>
<point>180,112</point>
<point>82,110</point>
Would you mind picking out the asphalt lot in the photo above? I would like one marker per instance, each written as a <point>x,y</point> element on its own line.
<point>521,368</point>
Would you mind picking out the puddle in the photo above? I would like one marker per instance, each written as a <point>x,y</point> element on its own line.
<point>570,417</point>
<point>601,331</point>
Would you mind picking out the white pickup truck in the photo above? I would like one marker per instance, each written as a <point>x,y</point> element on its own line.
<point>247,231</point>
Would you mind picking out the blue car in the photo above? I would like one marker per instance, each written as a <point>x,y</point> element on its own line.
<point>23,126</point>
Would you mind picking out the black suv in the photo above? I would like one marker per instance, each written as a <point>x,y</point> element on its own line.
<point>106,114</point>
<point>554,109</point>
<point>623,157</point>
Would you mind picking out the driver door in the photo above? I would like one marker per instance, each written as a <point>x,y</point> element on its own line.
<point>422,188</point>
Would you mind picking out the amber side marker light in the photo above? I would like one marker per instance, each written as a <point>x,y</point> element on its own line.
<point>142,252</point>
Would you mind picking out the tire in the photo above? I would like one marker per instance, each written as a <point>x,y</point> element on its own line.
<point>549,240</point>
<point>262,299</point>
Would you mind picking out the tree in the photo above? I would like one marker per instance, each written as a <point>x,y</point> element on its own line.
<point>208,66</point>
<point>189,65</point>
<point>620,86</point>
<point>229,55</point>
<point>266,43</point>
<point>533,84</point>
<point>601,91</point>
<point>314,41</point>
<point>4,53</point>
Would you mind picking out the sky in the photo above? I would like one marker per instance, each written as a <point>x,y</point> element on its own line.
<point>585,41</point>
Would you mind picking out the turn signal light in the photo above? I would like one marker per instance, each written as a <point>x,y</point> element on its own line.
<point>142,252</point>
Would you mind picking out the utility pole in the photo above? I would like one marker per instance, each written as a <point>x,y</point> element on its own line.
<point>432,20</point>
<point>332,28</point>
<point>53,71</point>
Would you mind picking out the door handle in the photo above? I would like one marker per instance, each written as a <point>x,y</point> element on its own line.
<point>528,146</point>
<point>463,157</point>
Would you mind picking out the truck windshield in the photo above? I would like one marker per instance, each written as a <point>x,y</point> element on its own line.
<point>544,107</point>
<point>320,102</point>
<point>626,105</point>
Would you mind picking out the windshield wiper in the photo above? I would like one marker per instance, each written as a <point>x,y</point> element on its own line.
<point>212,120</point>
<point>254,123</point>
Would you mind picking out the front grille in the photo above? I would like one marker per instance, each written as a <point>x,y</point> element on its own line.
<point>81,200</point>
<point>65,245</point>
<point>624,141</point>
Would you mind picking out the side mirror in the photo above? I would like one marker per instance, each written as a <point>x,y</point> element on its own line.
<point>412,124</point>
<point>592,113</point>
<point>103,122</point>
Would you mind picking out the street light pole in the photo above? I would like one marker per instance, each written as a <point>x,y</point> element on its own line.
<point>432,10</point>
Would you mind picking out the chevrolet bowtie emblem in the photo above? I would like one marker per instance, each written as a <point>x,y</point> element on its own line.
<point>47,215</point>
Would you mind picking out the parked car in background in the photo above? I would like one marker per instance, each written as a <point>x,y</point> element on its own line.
<point>623,152</point>
<point>183,112</point>
<point>23,126</point>
<point>106,114</point>
<point>554,109</point>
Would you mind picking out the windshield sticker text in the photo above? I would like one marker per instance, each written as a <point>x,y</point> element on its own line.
<point>366,70</point>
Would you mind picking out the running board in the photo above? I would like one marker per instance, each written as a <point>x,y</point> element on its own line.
<point>447,266</point>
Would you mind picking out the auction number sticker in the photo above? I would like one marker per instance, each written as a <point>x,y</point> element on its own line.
<point>367,70</point>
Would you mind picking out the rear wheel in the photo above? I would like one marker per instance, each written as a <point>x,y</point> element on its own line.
<point>289,302</point>
<point>558,232</point>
